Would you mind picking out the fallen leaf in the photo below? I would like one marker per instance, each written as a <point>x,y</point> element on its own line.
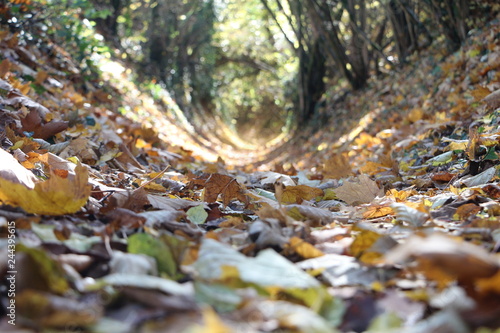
<point>297,194</point>
<point>445,259</point>
<point>304,249</point>
<point>337,167</point>
<point>493,99</point>
<point>480,93</point>
<point>197,214</point>
<point>408,214</point>
<point>377,211</point>
<point>363,191</point>
<point>55,196</point>
<point>4,68</point>
<point>57,311</point>
<point>227,186</point>
<point>142,243</point>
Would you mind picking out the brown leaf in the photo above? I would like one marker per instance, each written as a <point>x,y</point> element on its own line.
<point>4,67</point>
<point>364,191</point>
<point>443,177</point>
<point>465,211</point>
<point>337,167</point>
<point>493,99</point>
<point>492,191</point>
<point>217,184</point>
<point>474,143</point>
<point>480,93</point>
<point>40,77</point>
<point>124,218</point>
<point>444,259</point>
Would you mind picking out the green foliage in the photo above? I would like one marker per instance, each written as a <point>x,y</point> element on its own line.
<point>255,64</point>
<point>67,22</point>
<point>151,246</point>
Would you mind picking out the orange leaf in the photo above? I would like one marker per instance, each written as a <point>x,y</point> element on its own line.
<point>377,211</point>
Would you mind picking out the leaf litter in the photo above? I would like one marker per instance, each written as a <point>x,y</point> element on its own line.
<point>393,227</point>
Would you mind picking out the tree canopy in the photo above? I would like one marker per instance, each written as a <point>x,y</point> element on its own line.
<point>265,66</point>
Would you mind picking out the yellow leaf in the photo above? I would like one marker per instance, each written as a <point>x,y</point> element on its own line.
<point>55,196</point>
<point>296,194</point>
<point>415,115</point>
<point>295,214</point>
<point>399,98</point>
<point>401,195</point>
<point>363,241</point>
<point>330,194</point>
<point>369,246</point>
<point>304,249</point>
<point>155,187</point>
<point>372,168</point>
<point>211,323</point>
<point>462,145</point>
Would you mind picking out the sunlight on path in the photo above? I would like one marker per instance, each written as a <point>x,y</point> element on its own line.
<point>174,128</point>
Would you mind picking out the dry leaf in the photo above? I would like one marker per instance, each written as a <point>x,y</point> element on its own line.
<point>4,67</point>
<point>493,99</point>
<point>297,194</point>
<point>304,249</point>
<point>40,77</point>
<point>217,184</point>
<point>377,211</point>
<point>369,246</point>
<point>55,196</point>
<point>444,259</point>
<point>364,191</point>
<point>408,214</point>
<point>337,167</point>
<point>480,93</point>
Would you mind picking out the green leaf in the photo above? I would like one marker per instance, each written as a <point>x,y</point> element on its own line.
<point>153,247</point>
<point>197,214</point>
<point>491,155</point>
<point>268,273</point>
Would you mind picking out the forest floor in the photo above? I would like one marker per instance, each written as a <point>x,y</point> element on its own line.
<point>125,219</point>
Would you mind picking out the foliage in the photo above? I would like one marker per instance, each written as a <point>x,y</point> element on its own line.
<point>128,227</point>
<point>254,64</point>
<point>67,22</point>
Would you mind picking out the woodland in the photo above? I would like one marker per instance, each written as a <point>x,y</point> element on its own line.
<point>250,166</point>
